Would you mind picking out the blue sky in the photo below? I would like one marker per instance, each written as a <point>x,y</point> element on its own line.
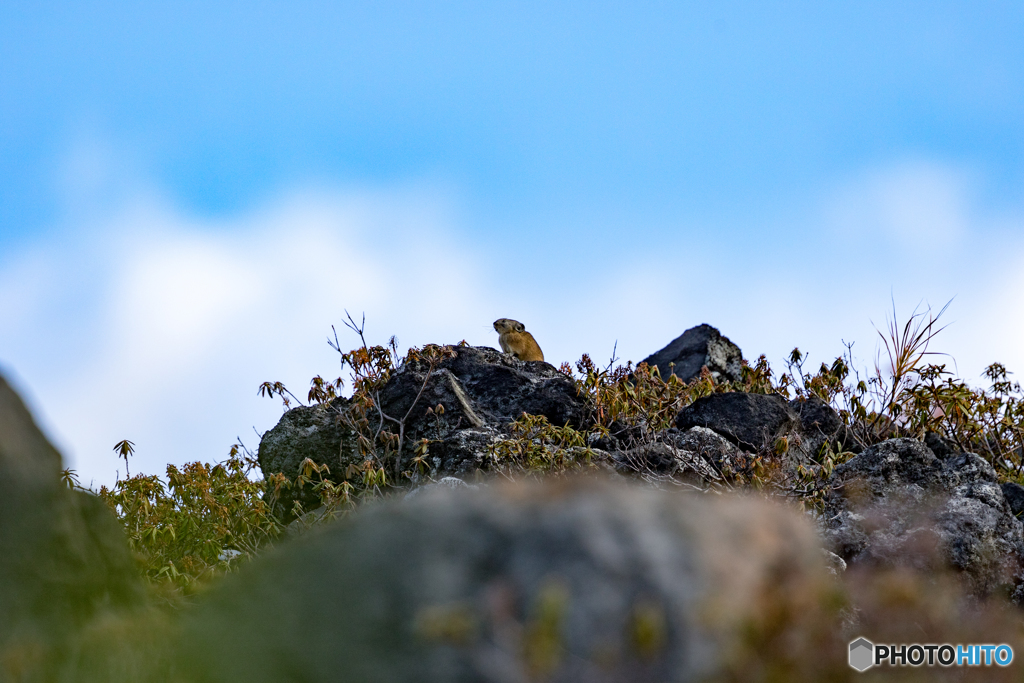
<point>190,193</point>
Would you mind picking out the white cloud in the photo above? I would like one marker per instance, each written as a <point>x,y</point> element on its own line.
<point>181,321</point>
<point>917,205</point>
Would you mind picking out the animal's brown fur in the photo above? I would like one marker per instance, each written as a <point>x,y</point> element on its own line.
<point>514,339</point>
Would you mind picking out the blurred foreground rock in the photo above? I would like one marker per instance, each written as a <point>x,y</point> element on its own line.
<point>63,557</point>
<point>561,581</point>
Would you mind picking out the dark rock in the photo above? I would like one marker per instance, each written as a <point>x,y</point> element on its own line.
<point>940,445</point>
<point>1014,495</point>
<point>819,425</point>
<point>696,348</point>
<point>622,437</point>
<point>559,581</point>
<point>63,556</point>
<point>898,504</point>
<point>705,443</point>
<point>665,458</point>
<point>702,445</point>
<point>479,390</point>
<point>751,421</point>
<point>483,386</point>
<point>654,458</point>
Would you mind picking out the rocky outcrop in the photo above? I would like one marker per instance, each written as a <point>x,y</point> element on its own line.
<point>63,557</point>
<point>898,504</point>
<point>577,581</point>
<point>481,386</point>
<point>820,425</point>
<point>699,347</point>
<point>479,391</point>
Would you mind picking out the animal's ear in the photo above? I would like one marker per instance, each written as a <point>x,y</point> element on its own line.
<point>520,327</point>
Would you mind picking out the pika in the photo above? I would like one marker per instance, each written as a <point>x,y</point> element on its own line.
<point>514,339</point>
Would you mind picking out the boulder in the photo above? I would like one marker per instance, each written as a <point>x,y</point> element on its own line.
<point>696,348</point>
<point>577,580</point>
<point>940,445</point>
<point>63,556</point>
<point>897,504</point>
<point>316,432</point>
<point>751,421</point>
<point>820,425</point>
<point>755,422</point>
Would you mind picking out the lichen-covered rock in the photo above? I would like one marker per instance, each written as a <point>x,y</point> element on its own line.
<point>698,456</point>
<point>557,581</point>
<point>316,432</point>
<point>463,452</point>
<point>898,504</point>
<point>699,347</point>
<point>892,465</point>
<point>709,446</point>
<point>63,557</point>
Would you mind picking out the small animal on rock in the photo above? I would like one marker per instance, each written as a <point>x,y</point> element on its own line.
<point>514,339</point>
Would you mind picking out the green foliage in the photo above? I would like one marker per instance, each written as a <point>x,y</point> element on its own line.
<point>534,445</point>
<point>124,449</point>
<point>634,396</point>
<point>199,522</point>
<point>907,396</point>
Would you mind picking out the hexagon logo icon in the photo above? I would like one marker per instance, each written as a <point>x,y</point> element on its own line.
<point>862,654</point>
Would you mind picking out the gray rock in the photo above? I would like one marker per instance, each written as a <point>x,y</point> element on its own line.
<point>706,443</point>
<point>315,432</point>
<point>896,504</point>
<point>698,456</point>
<point>653,458</point>
<point>696,348</point>
<point>463,451</point>
<point>559,581</point>
<point>63,557</point>
<point>895,464</point>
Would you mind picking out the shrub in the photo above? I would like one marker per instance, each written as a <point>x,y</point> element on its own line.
<point>202,520</point>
